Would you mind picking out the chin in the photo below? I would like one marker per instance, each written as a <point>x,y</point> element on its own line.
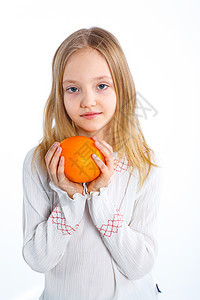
<point>92,130</point>
<point>89,129</point>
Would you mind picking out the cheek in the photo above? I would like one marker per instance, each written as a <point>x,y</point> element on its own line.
<point>111,105</point>
<point>69,106</point>
<point>68,109</point>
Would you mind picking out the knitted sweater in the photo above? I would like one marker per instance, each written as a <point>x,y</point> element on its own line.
<point>97,246</point>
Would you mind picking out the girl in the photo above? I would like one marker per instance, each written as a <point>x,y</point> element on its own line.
<point>93,240</point>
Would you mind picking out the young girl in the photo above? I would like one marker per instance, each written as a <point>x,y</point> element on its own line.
<point>94,240</point>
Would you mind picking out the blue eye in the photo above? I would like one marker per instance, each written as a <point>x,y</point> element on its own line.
<point>71,88</point>
<point>102,84</point>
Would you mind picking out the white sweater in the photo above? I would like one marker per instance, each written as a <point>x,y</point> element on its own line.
<point>97,246</point>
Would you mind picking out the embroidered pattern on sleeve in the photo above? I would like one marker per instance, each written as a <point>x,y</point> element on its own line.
<point>120,166</point>
<point>60,222</point>
<point>112,225</point>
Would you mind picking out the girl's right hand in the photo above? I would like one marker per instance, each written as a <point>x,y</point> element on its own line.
<point>55,167</point>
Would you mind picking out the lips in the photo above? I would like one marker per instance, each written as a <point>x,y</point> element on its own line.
<point>90,114</point>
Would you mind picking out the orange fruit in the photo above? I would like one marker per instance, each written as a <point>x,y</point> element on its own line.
<point>79,165</point>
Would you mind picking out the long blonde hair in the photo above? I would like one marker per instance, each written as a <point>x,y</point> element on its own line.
<point>128,139</point>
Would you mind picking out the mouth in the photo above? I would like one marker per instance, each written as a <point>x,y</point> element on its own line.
<point>91,115</point>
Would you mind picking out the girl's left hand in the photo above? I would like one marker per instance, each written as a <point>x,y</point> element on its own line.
<point>106,170</point>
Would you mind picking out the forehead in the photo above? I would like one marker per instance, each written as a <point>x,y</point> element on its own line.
<point>84,53</point>
<point>87,62</point>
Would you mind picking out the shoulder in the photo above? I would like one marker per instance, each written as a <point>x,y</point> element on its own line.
<point>28,159</point>
<point>156,172</point>
<point>154,177</point>
<point>153,183</point>
<point>33,166</point>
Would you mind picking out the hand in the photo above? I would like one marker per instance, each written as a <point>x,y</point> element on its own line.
<point>106,170</point>
<point>55,167</point>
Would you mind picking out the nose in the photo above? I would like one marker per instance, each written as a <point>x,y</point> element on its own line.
<point>88,99</point>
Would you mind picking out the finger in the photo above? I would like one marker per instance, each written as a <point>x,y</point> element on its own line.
<point>104,142</point>
<point>109,157</point>
<point>108,146</point>
<point>63,181</point>
<point>61,174</point>
<point>103,148</point>
<point>99,163</point>
<point>51,152</point>
<point>54,164</point>
<point>48,157</point>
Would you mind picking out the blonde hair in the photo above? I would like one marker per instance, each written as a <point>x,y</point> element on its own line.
<point>128,139</point>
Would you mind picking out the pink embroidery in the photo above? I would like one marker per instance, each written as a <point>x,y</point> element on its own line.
<point>60,222</point>
<point>120,165</point>
<point>112,226</point>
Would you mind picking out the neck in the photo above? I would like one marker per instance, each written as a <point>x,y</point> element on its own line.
<point>105,134</point>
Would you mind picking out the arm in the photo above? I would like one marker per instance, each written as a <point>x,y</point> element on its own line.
<point>46,229</point>
<point>133,246</point>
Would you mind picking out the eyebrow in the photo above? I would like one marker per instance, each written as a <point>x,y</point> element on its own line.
<point>100,77</point>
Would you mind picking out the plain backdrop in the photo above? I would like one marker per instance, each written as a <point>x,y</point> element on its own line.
<point>161,42</point>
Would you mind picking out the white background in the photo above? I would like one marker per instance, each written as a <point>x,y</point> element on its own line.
<point>161,42</point>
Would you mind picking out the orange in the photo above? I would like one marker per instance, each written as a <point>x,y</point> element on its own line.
<point>79,165</point>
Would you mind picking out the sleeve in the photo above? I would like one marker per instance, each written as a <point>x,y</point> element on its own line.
<point>133,246</point>
<point>47,230</point>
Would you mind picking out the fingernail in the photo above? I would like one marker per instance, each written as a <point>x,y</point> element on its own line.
<point>94,155</point>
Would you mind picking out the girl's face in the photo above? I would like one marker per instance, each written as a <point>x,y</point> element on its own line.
<point>85,92</point>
